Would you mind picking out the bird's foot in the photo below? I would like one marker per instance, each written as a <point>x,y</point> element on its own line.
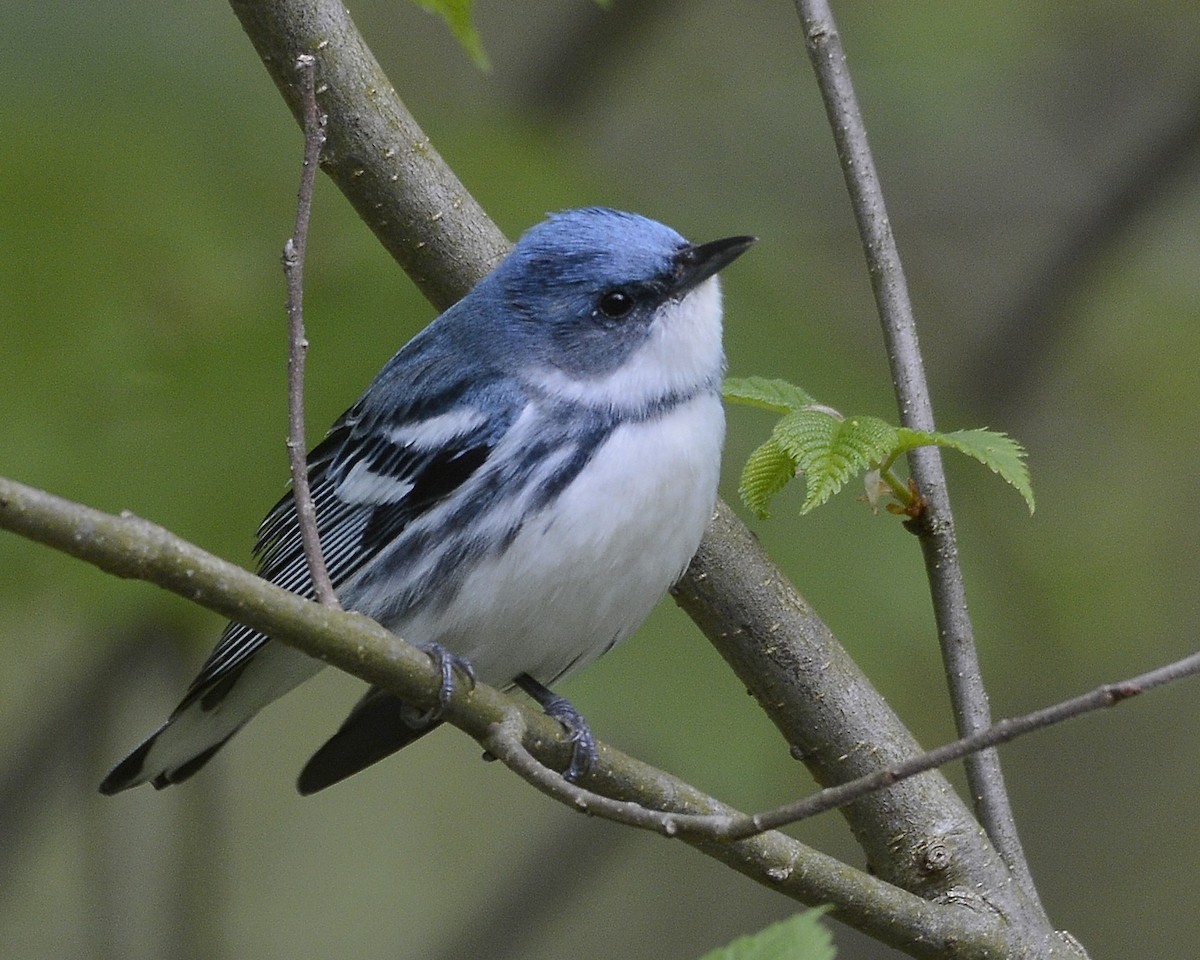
<point>583,744</point>
<point>446,663</point>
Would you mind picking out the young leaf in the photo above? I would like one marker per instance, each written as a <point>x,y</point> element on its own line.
<point>830,451</point>
<point>997,451</point>
<point>458,17</point>
<point>777,395</point>
<point>767,471</point>
<point>802,937</point>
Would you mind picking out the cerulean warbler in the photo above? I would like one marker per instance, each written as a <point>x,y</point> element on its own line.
<point>514,492</point>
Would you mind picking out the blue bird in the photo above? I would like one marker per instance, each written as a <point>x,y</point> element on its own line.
<point>513,493</point>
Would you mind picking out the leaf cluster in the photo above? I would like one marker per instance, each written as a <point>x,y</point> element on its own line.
<point>826,448</point>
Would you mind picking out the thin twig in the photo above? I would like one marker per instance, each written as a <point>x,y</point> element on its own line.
<point>936,526</point>
<point>504,741</point>
<point>1002,731</point>
<point>293,268</point>
<point>377,154</point>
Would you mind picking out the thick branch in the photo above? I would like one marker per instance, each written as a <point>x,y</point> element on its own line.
<point>936,526</point>
<point>917,834</point>
<point>375,152</point>
<point>131,547</point>
<point>384,164</point>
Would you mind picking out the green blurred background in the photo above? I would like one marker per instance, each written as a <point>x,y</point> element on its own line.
<point>1041,168</point>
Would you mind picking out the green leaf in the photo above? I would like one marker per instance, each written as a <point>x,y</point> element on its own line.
<point>458,17</point>
<point>802,937</point>
<point>816,441</point>
<point>777,395</point>
<point>830,451</point>
<point>997,451</point>
<point>767,471</point>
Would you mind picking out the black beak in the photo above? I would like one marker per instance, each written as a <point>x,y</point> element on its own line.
<point>694,265</point>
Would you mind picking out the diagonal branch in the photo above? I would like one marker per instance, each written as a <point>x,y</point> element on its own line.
<point>935,527</point>
<point>1003,731</point>
<point>841,727</point>
<point>384,164</point>
<point>504,741</point>
<point>375,152</point>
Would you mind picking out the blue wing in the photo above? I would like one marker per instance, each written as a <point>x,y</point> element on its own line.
<point>427,423</point>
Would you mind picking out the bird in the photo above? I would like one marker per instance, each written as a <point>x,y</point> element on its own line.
<point>514,492</point>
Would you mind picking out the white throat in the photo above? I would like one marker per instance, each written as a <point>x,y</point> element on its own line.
<point>681,355</point>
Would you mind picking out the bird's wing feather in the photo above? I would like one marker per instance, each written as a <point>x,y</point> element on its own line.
<point>389,459</point>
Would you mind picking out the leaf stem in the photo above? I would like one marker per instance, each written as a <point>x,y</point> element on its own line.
<point>900,488</point>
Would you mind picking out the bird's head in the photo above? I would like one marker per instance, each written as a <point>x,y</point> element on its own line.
<point>612,308</point>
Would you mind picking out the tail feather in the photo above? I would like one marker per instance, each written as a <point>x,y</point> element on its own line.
<point>208,717</point>
<point>133,769</point>
<point>185,770</point>
<point>378,726</point>
<point>128,772</point>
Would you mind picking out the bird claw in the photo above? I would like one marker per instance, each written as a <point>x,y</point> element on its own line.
<point>446,663</point>
<point>583,745</point>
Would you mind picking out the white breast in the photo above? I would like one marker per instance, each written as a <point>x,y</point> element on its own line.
<point>584,573</point>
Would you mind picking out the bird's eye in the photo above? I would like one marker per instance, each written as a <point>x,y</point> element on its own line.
<point>616,304</point>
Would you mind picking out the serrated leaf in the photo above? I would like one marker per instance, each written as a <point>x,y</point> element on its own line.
<point>996,451</point>
<point>830,451</point>
<point>777,395</point>
<point>767,471</point>
<point>802,937</point>
<point>458,15</point>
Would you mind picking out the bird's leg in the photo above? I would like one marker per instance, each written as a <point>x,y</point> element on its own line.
<point>446,663</point>
<point>583,744</point>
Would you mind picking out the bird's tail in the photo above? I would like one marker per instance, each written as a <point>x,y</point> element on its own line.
<point>139,768</point>
<point>209,716</point>
<point>378,726</point>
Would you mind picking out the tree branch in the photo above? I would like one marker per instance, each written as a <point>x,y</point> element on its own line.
<point>131,547</point>
<point>384,164</point>
<point>293,267</point>
<point>1003,731</point>
<point>841,727</point>
<point>375,152</point>
<point>504,741</point>
<point>935,527</point>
